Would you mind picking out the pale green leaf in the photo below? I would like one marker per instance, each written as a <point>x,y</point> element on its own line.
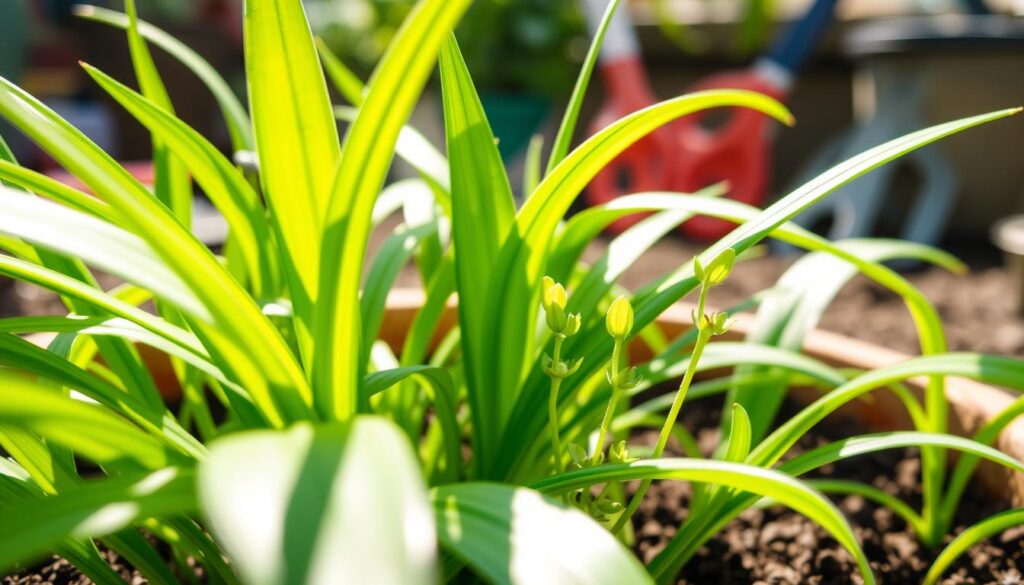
<point>340,503</point>
<point>512,535</point>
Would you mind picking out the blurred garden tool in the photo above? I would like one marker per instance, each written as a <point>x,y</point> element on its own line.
<point>897,58</point>
<point>642,167</point>
<point>737,149</point>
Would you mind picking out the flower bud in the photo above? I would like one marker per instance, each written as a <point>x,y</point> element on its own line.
<point>553,293</point>
<point>619,320</point>
<point>572,325</point>
<point>553,300</point>
<point>717,270</point>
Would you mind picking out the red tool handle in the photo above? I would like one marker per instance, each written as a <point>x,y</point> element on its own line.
<point>641,167</point>
<point>627,89</point>
<point>735,150</point>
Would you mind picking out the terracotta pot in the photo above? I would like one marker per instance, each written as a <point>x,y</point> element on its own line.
<point>971,404</point>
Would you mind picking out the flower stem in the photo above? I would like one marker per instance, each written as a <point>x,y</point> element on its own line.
<point>612,402</point>
<point>556,384</point>
<point>666,430</point>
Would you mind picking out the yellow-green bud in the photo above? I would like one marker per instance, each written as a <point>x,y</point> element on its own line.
<point>717,270</point>
<point>553,293</point>
<point>619,320</point>
<point>572,325</point>
<point>553,300</point>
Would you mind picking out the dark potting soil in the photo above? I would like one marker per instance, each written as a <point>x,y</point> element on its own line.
<point>57,571</point>
<point>777,546</point>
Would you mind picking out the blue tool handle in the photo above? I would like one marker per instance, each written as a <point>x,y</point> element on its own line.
<point>792,49</point>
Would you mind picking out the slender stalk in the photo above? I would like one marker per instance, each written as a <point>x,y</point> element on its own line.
<point>556,384</point>
<point>666,430</point>
<point>606,422</point>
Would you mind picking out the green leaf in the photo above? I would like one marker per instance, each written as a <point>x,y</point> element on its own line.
<point>245,340</point>
<point>513,535</point>
<point>873,494</point>
<point>965,466</point>
<point>16,488</point>
<point>990,369</point>
<point>482,211</point>
<point>22,355</point>
<point>518,267</point>
<point>805,291</point>
<point>49,472</point>
<point>172,184</point>
<point>1000,371</point>
<point>134,548</point>
<point>96,298</point>
<point>71,233</point>
<point>739,436</point>
<point>344,80</point>
<point>863,444</point>
<point>35,525</point>
<point>234,113</point>
<point>226,187</point>
<point>40,184</point>
<point>392,256</point>
<point>282,505</point>
<point>296,139</point>
<point>572,112</point>
<point>756,480</point>
<point>442,394</point>
<point>87,429</point>
<point>971,536</point>
<point>366,156</point>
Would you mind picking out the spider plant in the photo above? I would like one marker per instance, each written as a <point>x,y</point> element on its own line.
<point>305,449</point>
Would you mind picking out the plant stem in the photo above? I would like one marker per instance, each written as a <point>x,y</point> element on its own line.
<point>556,384</point>
<point>670,421</point>
<point>610,410</point>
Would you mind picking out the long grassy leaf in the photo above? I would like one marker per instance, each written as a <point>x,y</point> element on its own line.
<point>801,297</point>
<point>238,124</point>
<point>483,209</point>
<point>246,341</point>
<point>392,256</point>
<point>517,268</point>
<point>85,428</point>
<point>296,140</point>
<point>995,370</point>
<point>226,187</point>
<point>572,112</point>
<point>442,395</point>
<point>971,536</point>
<point>40,184</point>
<point>48,225</point>
<point>756,480</point>
<point>172,184</point>
<point>95,509</point>
<point>366,155</point>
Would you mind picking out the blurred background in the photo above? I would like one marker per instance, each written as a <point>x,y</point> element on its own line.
<point>854,72</point>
